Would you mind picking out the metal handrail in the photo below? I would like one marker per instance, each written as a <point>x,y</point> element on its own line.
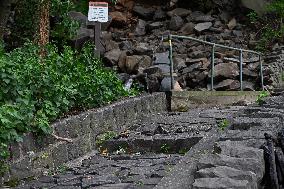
<point>214,45</point>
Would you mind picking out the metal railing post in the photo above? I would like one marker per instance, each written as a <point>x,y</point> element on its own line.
<point>212,66</point>
<point>261,72</point>
<point>241,69</point>
<point>171,61</point>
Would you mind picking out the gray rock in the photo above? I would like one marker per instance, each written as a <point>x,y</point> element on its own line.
<point>136,63</point>
<point>203,18</point>
<point>248,86</point>
<point>232,24</point>
<point>227,70</point>
<point>239,150</point>
<point>228,172</point>
<point>220,183</point>
<point>155,25</point>
<point>159,15</point>
<point>140,28</point>
<point>228,84</point>
<point>225,17</point>
<point>188,28</point>
<point>143,12</point>
<point>158,69</point>
<point>179,12</point>
<point>192,67</point>
<point>112,56</point>
<point>179,63</point>
<point>203,26</point>
<point>126,45</point>
<point>162,58</point>
<point>176,23</point>
<point>143,49</point>
<point>166,84</point>
<point>244,164</point>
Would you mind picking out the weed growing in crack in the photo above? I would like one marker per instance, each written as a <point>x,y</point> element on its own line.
<point>222,125</point>
<point>262,95</point>
<point>165,148</point>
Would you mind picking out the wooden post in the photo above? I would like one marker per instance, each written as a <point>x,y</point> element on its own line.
<point>97,39</point>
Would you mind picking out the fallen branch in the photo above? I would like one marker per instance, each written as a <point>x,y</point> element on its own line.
<point>61,138</point>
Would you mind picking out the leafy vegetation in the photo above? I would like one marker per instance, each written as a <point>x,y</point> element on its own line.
<point>222,125</point>
<point>36,90</point>
<point>262,95</point>
<point>165,148</point>
<point>104,137</point>
<point>269,26</point>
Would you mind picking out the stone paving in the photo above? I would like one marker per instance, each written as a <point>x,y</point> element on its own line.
<point>152,153</point>
<point>152,147</point>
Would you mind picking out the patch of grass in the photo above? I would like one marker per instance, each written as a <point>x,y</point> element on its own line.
<point>222,125</point>
<point>262,95</point>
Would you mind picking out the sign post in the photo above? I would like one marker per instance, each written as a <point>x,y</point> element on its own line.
<point>98,13</point>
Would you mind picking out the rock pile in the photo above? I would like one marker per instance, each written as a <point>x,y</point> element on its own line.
<point>133,40</point>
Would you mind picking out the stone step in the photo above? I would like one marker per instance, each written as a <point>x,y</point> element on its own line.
<point>180,143</point>
<point>244,164</point>
<point>220,183</point>
<point>228,172</point>
<point>245,123</point>
<point>239,150</point>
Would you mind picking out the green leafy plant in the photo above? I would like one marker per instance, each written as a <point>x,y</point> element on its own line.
<point>253,17</point>
<point>262,95</point>
<point>35,90</point>
<point>104,137</point>
<point>270,28</point>
<point>165,148</point>
<point>223,124</point>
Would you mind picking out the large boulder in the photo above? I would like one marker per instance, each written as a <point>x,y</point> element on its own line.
<point>143,12</point>
<point>179,12</point>
<point>176,23</point>
<point>226,70</point>
<point>118,19</point>
<point>228,85</point>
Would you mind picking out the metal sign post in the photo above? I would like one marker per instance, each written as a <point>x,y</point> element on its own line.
<point>97,14</point>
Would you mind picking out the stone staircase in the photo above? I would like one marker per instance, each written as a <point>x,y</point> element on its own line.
<point>177,150</point>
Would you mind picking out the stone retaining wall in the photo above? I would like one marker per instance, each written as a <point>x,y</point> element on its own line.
<point>42,153</point>
<point>274,64</point>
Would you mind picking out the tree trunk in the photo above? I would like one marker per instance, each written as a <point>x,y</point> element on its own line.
<point>5,6</point>
<point>44,8</point>
<point>44,25</point>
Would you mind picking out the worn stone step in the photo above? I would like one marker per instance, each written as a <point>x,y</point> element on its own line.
<point>228,172</point>
<point>220,183</point>
<point>240,135</point>
<point>116,186</point>
<point>158,143</point>
<point>237,149</point>
<point>244,123</point>
<point>244,164</point>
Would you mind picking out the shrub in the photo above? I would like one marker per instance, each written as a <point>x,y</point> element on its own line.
<point>270,28</point>
<point>36,90</point>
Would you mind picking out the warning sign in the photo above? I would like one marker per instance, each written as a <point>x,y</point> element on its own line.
<point>98,12</point>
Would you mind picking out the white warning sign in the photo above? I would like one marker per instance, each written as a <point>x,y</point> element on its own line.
<point>98,12</point>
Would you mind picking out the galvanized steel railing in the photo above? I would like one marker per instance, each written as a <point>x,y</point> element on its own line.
<point>214,45</point>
